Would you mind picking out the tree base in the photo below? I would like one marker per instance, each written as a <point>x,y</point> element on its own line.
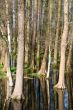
<point>17,97</point>
<point>60,86</point>
<point>42,72</point>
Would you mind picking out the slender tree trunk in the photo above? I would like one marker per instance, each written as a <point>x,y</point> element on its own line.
<point>48,93</point>
<point>61,82</point>
<point>27,34</point>
<point>13,32</point>
<point>17,93</point>
<point>68,63</point>
<point>49,36</point>
<point>57,33</point>
<point>49,62</point>
<point>34,11</point>
<point>9,46</point>
<point>38,33</point>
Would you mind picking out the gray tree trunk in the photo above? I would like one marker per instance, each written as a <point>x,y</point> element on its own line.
<point>61,82</point>
<point>17,93</point>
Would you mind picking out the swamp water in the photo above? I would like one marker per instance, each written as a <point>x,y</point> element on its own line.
<point>39,95</point>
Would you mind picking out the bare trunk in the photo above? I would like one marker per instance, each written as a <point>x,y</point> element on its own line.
<point>27,34</point>
<point>44,61</point>
<point>68,66</point>
<point>57,33</point>
<point>49,36</point>
<point>38,34</point>
<point>17,93</point>
<point>61,82</point>
<point>49,63</point>
<point>9,46</point>
<point>34,5</point>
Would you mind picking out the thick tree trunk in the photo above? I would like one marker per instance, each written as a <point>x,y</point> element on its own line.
<point>44,61</point>
<point>17,93</point>
<point>61,83</point>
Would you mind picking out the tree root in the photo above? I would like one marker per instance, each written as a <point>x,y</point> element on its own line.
<point>17,97</point>
<point>60,86</point>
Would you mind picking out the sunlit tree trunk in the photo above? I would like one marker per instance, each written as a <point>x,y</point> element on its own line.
<point>49,62</point>
<point>49,36</point>
<point>9,46</point>
<point>61,83</point>
<point>17,93</point>
<point>48,93</point>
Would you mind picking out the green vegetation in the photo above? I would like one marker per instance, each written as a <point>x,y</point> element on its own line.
<point>2,74</point>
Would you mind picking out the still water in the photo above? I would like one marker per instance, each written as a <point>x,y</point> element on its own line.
<point>39,95</point>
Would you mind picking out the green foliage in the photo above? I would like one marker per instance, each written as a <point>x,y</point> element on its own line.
<point>27,69</point>
<point>37,75</point>
<point>1,66</point>
<point>2,74</point>
<point>13,69</point>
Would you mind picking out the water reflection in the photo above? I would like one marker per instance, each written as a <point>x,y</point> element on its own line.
<point>39,95</point>
<point>62,99</point>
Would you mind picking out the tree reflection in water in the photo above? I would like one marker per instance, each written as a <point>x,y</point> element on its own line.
<point>39,95</point>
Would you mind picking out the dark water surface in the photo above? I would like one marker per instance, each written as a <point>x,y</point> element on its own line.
<point>39,95</point>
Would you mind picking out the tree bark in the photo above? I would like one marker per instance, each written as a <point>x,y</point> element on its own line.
<point>9,46</point>
<point>44,61</point>
<point>61,83</point>
<point>57,33</point>
<point>17,93</point>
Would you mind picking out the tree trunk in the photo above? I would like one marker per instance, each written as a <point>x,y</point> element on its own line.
<point>38,34</point>
<point>49,36</point>
<point>68,63</point>
<point>17,93</point>
<point>9,46</point>
<point>34,11</point>
<point>61,83</point>
<point>57,33</point>
<point>44,61</point>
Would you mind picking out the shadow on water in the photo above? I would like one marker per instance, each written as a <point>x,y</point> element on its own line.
<point>39,95</point>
